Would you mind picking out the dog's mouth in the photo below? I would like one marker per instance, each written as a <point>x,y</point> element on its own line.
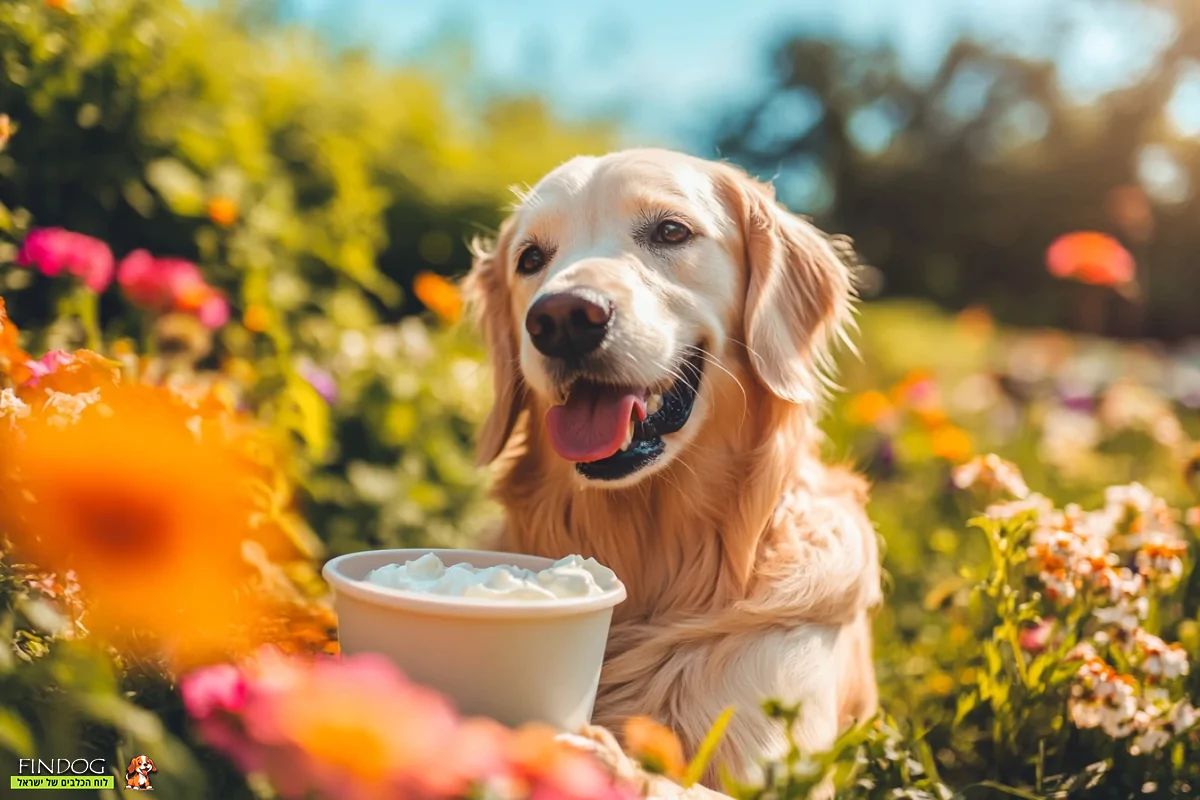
<point>611,432</point>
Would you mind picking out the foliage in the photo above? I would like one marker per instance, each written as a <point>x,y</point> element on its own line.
<point>311,189</point>
<point>954,182</point>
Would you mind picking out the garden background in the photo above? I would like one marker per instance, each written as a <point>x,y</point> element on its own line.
<point>326,189</point>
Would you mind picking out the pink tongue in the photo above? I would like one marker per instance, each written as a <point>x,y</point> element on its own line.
<point>593,422</point>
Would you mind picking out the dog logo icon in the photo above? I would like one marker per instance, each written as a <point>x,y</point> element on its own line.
<point>137,774</point>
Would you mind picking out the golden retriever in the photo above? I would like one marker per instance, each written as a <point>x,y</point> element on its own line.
<point>660,330</point>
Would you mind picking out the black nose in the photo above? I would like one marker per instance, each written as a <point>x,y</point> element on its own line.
<point>569,324</point>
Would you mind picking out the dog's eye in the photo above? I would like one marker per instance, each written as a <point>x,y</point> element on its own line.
<point>531,260</point>
<point>670,232</point>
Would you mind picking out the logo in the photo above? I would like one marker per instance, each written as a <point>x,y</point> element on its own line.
<point>137,774</point>
<point>62,773</point>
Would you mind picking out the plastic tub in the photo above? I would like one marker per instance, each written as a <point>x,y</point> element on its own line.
<point>514,661</point>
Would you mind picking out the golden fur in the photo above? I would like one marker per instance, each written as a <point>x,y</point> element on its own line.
<point>750,565</point>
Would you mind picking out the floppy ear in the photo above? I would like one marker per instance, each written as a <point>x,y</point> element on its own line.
<point>799,292</point>
<point>132,768</point>
<point>152,767</point>
<point>486,291</point>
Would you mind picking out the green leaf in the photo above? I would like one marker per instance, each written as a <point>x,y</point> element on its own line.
<point>708,747</point>
<point>14,734</point>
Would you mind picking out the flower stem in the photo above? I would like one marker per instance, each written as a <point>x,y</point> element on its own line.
<point>88,306</point>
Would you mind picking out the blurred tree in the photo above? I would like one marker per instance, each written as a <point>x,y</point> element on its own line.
<point>955,186</point>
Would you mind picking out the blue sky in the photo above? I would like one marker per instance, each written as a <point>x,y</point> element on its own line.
<point>669,67</point>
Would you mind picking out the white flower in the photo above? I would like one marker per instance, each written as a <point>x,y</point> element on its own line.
<point>1150,740</point>
<point>12,407</point>
<point>1125,616</point>
<point>1067,434</point>
<point>1159,659</point>
<point>993,473</point>
<point>62,409</point>
<point>1003,512</point>
<point>1183,716</point>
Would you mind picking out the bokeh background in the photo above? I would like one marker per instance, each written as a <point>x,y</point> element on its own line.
<point>326,162</point>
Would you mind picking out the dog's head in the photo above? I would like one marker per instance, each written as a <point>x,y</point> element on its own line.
<point>140,765</point>
<point>623,289</point>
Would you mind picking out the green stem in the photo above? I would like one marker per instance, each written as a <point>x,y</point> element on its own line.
<point>88,305</point>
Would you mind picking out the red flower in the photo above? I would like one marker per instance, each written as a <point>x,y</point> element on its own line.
<point>54,251</point>
<point>1090,257</point>
<point>171,284</point>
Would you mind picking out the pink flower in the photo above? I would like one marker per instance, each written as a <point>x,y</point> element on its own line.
<point>48,364</point>
<point>218,688</point>
<point>357,728</point>
<point>54,251</point>
<point>171,284</point>
<point>1034,638</point>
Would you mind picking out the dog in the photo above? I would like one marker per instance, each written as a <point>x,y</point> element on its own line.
<point>137,774</point>
<point>661,333</point>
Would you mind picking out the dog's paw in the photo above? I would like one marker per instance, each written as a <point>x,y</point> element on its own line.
<point>601,744</point>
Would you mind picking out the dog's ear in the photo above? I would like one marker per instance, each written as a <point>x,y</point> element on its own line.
<point>132,768</point>
<point>486,291</point>
<point>151,762</point>
<point>799,292</point>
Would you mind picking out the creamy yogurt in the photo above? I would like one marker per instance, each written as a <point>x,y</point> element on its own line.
<point>573,576</point>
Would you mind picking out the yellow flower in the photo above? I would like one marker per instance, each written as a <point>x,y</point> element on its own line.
<point>870,408</point>
<point>439,295</point>
<point>655,747</point>
<point>223,211</point>
<point>257,318</point>
<point>7,129</point>
<point>150,518</point>
<point>941,684</point>
<point>951,443</point>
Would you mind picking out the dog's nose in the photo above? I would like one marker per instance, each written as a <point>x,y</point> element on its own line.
<point>569,324</point>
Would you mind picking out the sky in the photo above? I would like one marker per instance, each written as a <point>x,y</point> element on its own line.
<point>667,68</point>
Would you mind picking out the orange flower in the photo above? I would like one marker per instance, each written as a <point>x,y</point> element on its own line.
<point>257,318</point>
<point>870,408</point>
<point>1090,257</point>
<point>977,321</point>
<point>439,295</point>
<point>13,360</point>
<point>223,211</point>
<point>61,5</point>
<point>7,129</point>
<point>150,518</point>
<point>655,747</point>
<point>951,443</point>
<point>918,389</point>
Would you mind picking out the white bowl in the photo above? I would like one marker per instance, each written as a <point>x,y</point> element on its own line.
<point>514,661</point>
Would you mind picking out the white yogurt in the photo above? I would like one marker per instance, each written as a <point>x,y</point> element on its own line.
<point>573,576</point>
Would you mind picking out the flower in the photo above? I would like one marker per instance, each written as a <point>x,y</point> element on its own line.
<point>1159,659</point>
<point>12,407</point>
<point>1103,698</point>
<point>656,747</point>
<point>171,284</point>
<point>256,318</point>
<point>54,251</point>
<point>1034,638</point>
<point>871,409</point>
<point>13,360</point>
<point>951,443</point>
<point>7,129</point>
<point>1091,257</point>
<point>439,295</point>
<point>150,518</point>
<point>320,379</point>
<point>223,211</point>
<point>992,473</point>
<point>357,728</point>
<point>71,373</point>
